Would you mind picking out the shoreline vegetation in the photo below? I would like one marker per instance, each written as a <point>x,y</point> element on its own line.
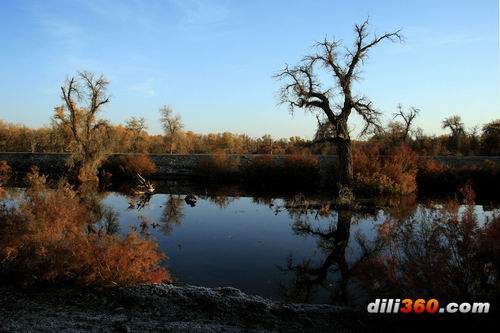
<point>402,173</point>
<point>62,244</point>
<point>50,290</point>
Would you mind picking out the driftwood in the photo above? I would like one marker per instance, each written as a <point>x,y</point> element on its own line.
<point>144,187</point>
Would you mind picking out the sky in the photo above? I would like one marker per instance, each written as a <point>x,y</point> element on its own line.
<point>213,61</point>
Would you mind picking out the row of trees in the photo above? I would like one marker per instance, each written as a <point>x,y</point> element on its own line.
<point>460,141</point>
<point>133,137</point>
<point>77,128</point>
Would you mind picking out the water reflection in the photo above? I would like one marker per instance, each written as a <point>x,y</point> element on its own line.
<point>172,213</point>
<point>445,251</point>
<point>302,249</point>
<point>311,273</point>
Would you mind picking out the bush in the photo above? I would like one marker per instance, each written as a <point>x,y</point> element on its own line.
<point>263,167</point>
<point>297,170</point>
<point>390,174</point>
<point>5,173</point>
<point>301,168</point>
<point>131,165</point>
<point>444,252</point>
<point>49,237</point>
<point>436,178</point>
<point>218,166</point>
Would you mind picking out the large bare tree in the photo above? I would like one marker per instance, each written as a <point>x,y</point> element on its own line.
<point>84,95</point>
<point>303,89</point>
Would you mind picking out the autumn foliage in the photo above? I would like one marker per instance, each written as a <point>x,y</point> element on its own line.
<point>218,166</point>
<point>437,178</point>
<point>445,251</point>
<point>391,174</point>
<point>298,169</point>
<point>131,165</point>
<point>49,236</point>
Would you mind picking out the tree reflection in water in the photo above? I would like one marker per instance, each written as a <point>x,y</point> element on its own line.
<point>332,272</point>
<point>441,252</point>
<point>220,200</point>
<point>172,213</point>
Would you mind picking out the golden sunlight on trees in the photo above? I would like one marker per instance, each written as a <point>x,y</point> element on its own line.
<point>131,165</point>
<point>172,126</point>
<point>304,90</point>
<point>138,128</point>
<point>84,96</point>
<point>51,236</point>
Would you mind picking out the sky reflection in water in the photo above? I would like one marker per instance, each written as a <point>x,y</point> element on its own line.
<point>263,248</point>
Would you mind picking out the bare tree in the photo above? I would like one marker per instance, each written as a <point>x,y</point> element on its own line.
<point>457,128</point>
<point>138,128</point>
<point>490,138</point>
<point>408,117</point>
<point>336,103</point>
<point>455,125</point>
<point>172,125</point>
<point>84,96</point>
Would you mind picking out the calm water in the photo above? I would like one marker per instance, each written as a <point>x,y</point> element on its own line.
<point>298,249</point>
<point>280,249</point>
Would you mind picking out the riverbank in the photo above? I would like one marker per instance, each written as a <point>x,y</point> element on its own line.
<point>191,309</point>
<point>177,166</point>
<point>159,308</point>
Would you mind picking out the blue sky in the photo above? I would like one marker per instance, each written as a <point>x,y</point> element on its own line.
<point>213,60</point>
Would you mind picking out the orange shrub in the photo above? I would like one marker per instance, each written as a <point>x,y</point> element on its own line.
<point>303,167</point>
<point>131,165</point>
<point>395,173</point>
<point>262,167</point>
<point>434,177</point>
<point>49,237</point>
<point>297,170</point>
<point>218,166</point>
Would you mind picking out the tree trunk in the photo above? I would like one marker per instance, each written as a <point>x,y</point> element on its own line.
<point>345,167</point>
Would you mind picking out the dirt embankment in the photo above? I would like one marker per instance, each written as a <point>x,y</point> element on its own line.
<point>159,308</point>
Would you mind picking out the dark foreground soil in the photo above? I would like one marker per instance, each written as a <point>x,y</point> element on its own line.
<point>158,308</point>
<point>169,308</point>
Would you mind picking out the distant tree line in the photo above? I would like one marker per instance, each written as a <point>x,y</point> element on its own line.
<point>132,137</point>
